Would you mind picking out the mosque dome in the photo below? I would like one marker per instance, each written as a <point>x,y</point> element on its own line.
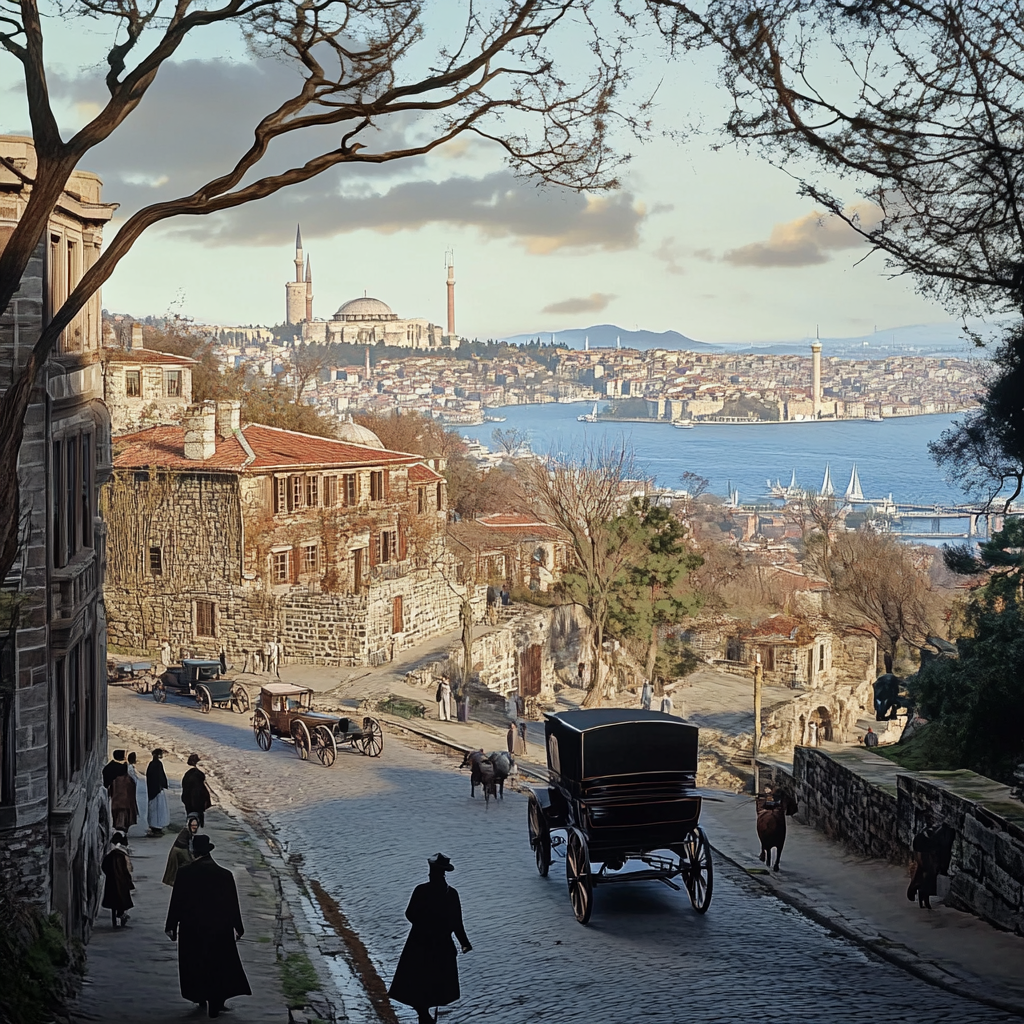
<point>365,308</point>
<point>355,433</point>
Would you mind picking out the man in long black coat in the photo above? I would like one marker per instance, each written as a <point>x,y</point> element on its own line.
<point>195,794</point>
<point>206,920</point>
<point>427,974</point>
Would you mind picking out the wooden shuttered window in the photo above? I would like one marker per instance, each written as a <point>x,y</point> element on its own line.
<point>374,548</point>
<point>280,492</point>
<point>294,563</point>
<point>330,491</point>
<point>313,491</point>
<point>402,545</point>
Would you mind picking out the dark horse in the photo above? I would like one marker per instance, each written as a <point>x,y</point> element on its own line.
<point>772,810</point>
<point>933,849</point>
<point>487,772</point>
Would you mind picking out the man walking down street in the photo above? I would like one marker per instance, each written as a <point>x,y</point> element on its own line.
<point>492,605</point>
<point>206,921</point>
<point>156,786</point>
<point>195,794</point>
<point>666,704</point>
<point>444,700</point>
<point>645,695</point>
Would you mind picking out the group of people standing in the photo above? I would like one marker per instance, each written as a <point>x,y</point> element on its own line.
<point>647,695</point>
<point>515,711</point>
<point>266,660</point>
<point>135,799</point>
<point>494,596</point>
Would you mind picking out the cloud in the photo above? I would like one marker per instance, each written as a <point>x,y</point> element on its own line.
<point>669,253</point>
<point>806,241</point>
<point>591,304</point>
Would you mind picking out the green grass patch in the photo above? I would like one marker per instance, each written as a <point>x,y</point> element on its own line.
<point>928,750</point>
<point>297,979</point>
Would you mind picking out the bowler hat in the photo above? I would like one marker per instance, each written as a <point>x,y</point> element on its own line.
<point>118,755</point>
<point>193,759</point>
<point>201,845</point>
<point>439,862</point>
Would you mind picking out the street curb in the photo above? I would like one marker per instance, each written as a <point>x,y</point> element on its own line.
<point>899,956</point>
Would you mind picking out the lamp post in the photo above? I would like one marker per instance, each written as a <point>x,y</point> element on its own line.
<point>758,684</point>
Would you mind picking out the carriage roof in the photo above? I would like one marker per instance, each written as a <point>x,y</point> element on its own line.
<point>285,689</point>
<point>605,742</point>
<point>202,662</point>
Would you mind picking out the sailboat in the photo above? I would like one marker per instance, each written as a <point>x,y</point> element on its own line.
<point>778,491</point>
<point>827,490</point>
<point>588,417</point>
<point>853,488</point>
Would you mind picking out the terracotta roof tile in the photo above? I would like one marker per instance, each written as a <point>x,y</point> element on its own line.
<point>421,474</point>
<point>146,355</point>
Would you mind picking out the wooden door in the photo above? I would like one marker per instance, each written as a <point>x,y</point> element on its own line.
<point>529,671</point>
<point>397,617</point>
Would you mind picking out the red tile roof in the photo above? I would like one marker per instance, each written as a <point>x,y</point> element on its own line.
<point>420,474</point>
<point>164,448</point>
<point>145,355</point>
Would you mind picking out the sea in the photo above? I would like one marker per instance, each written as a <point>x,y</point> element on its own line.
<point>891,456</point>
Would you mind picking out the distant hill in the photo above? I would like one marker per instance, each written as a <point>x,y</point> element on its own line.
<point>605,336</point>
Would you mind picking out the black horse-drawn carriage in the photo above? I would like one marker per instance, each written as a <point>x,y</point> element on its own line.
<point>201,680</point>
<point>286,711</point>
<point>622,788</point>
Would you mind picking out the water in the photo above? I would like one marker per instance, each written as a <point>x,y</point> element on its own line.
<point>891,456</point>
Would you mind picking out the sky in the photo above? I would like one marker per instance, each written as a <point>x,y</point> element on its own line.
<point>706,240</point>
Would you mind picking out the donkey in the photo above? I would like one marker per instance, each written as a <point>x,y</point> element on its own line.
<point>772,811</point>
<point>481,773</point>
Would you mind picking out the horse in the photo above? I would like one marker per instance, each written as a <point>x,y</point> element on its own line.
<point>772,811</point>
<point>488,772</point>
<point>933,849</point>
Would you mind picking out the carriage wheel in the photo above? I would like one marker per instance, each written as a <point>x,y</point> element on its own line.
<point>326,747</point>
<point>239,699</point>
<point>540,835</point>
<point>159,693</point>
<point>577,874</point>
<point>698,872</point>
<point>300,737</point>
<point>204,699</point>
<point>261,728</point>
<point>373,737</point>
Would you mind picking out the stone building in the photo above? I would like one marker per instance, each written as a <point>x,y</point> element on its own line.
<point>144,388</point>
<point>225,536</point>
<point>509,547</point>
<point>53,810</point>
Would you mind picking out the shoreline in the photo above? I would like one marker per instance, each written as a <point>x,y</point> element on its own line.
<point>601,418</point>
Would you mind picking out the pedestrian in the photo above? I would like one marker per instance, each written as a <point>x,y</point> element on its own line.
<point>510,739</point>
<point>257,665</point>
<point>933,848</point>
<point>156,786</point>
<point>444,700</point>
<point>521,747</point>
<point>268,655</point>
<point>870,738</point>
<point>427,973</point>
<point>505,595</point>
<point>666,704</point>
<point>645,695</point>
<point>117,884</point>
<point>812,734</point>
<point>124,811</point>
<point>223,662</point>
<point>114,767</point>
<point>204,918</point>
<point>180,852</point>
<point>141,794</point>
<point>195,794</point>
<point>276,654</point>
<point>492,605</point>
<point>512,706</point>
<point>165,652</point>
<point>581,675</point>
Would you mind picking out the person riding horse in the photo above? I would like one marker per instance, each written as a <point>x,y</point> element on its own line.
<point>887,693</point>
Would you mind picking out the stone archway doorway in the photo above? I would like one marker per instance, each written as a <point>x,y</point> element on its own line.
<point>820,725</point>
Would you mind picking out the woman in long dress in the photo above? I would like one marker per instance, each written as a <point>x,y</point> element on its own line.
<point>141,793</point>
<point>118,884</point>
<point>181,852</point>
<point>156,787</point>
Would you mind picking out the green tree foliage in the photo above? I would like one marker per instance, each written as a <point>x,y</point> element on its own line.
<point>655,588</point>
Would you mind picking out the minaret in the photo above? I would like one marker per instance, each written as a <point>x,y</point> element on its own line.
<point>298,253</point>
<point>816,375</point>
<point>295,291</point>
<point>309,291</point>
<point>449,260</point>
<point>367,377</point>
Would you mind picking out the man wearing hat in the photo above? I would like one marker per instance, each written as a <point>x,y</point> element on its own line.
<point>156,786</point>
<point>195,794</point>
<point>114,767</point>
<point>206,920</point>
<point>427,973</point>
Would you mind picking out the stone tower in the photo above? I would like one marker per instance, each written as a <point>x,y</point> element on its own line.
<point>309,291</point>
<point>816,377</point>
<point>450,261</point>
<point>295,291</point>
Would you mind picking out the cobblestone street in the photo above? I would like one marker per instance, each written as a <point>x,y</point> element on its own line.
<point>365,828</point>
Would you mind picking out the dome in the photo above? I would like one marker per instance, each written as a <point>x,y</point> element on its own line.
<point>355,433</point>
<point>365,308</point>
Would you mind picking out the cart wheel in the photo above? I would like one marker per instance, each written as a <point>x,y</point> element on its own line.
<point>577,874</point>
<point>159,693</point>
<point>540,835</point>
<point>373,737</point>
<point>698,873</point>
<point>261,729</point>
<point>300,737</point>
<point>204,699</point>
<point>325,744</point>
<point>239,699</point>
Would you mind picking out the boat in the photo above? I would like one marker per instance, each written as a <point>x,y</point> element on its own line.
<point>853,489</point>
<point>588,417</point>
<point>495,419</point>
<point>683,424</point>
<point>778,491</point>
<point>874,418</point>
<point>827,490</point>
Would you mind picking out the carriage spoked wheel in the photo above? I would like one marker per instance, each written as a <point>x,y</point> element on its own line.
<point>204,699</point>
<point>159,692</point>
<point>239,699</point>
<point>540,836</point>
<point>373,737</point>
<point>261,729</point>
<point>326,746</point>
<point>698,873</point>
<point>577,874</point>
<point>300,737</point>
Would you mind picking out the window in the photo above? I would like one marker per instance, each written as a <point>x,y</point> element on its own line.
<point>349,489</point>
<point>377,485</point>
<point>296,491</point>
<point>205,618</point>
<point>172,384</point>
<point>7,744</point>
<point>313,491</point>
<point>280,485</point>
<point>439,505</point>
<point>281,566</point>
<point>72,489</point>
<point>88,454</point>
<point>358,561</point>
<point>821,658</point>
<point>421,500</point>
<point>133,383</point>
<point>387,546</point>
<point>156,561</point>
<point>310,557</point>
<point>330,491</point>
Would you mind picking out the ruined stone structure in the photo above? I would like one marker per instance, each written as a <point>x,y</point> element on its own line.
<point>508,547</point>
<point>225,536</point>
<point>53,810</point>
<point>143,388</point>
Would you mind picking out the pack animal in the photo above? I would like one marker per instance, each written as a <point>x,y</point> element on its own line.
<point>772,810</point>
<point>488,772</point>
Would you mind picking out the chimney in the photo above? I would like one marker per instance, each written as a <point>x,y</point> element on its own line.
<point>229,419</point>
<point>200,423</point>
<point>136,342</point>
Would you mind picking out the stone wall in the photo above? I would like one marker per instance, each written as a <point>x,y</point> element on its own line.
<point>152,406</point>
<point>787,725</point>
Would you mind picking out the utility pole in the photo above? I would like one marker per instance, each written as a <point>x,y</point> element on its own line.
<point>758,685</point>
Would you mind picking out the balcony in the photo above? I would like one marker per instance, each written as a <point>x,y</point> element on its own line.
<point>72,586</point>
